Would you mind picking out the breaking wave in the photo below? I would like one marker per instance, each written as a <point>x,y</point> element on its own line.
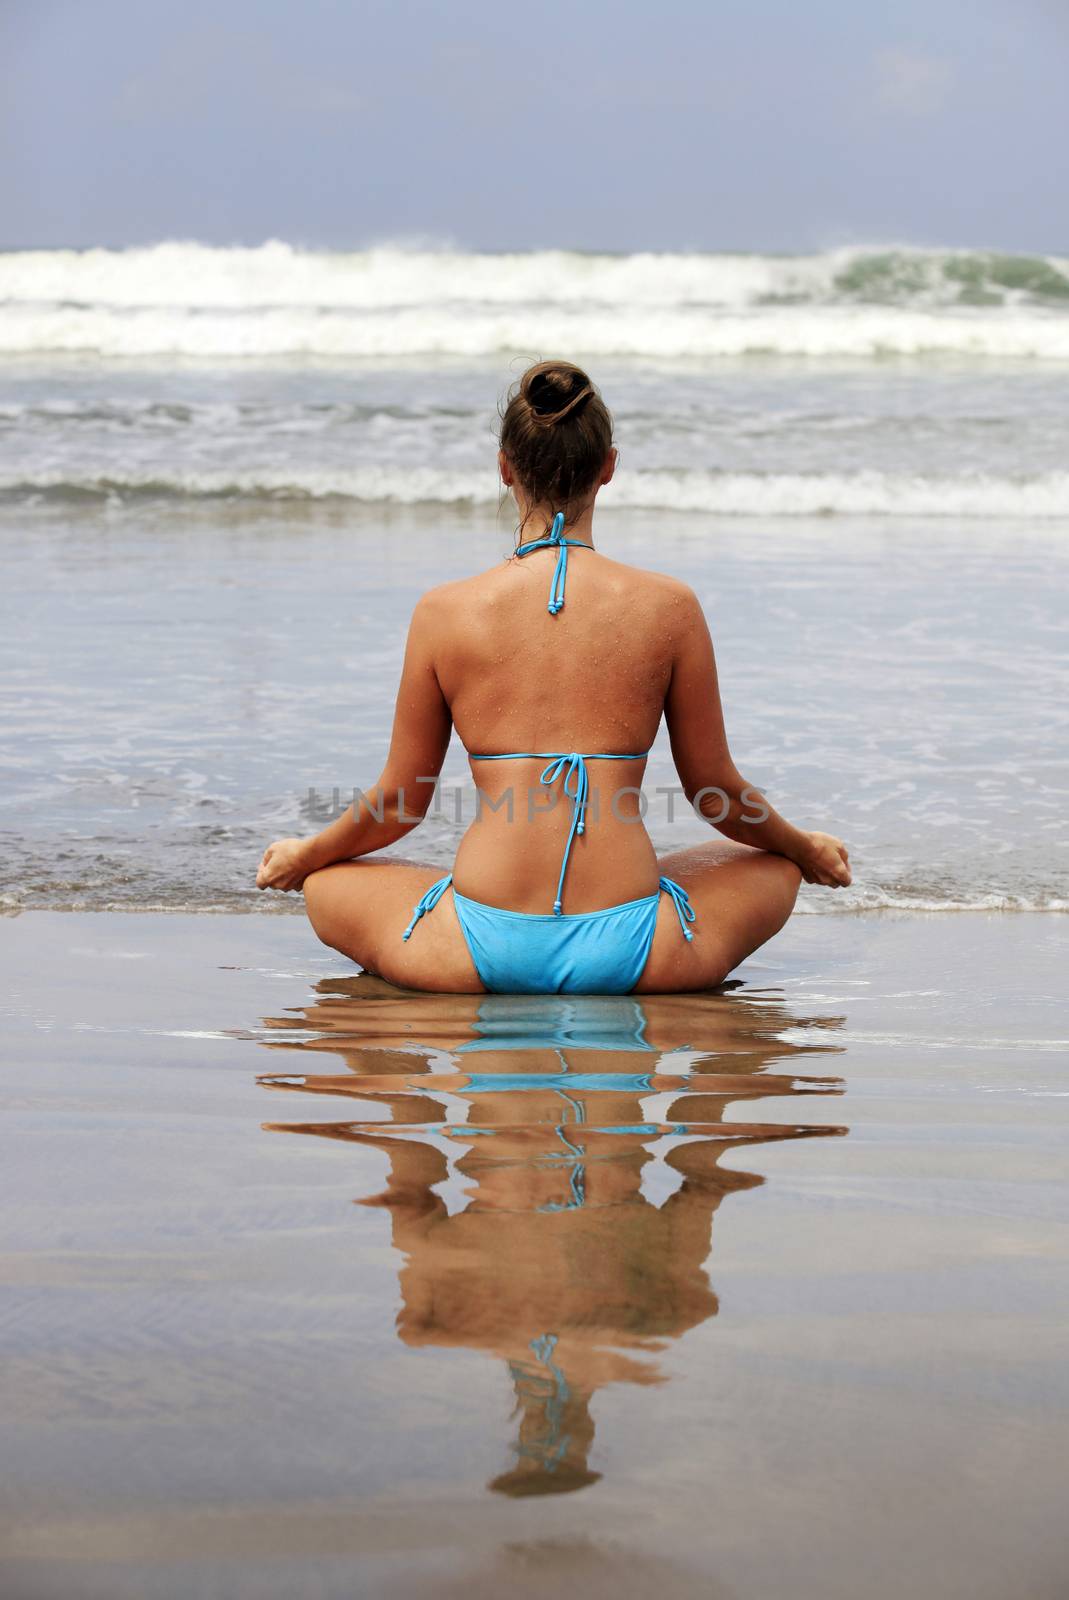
<point>201,302</point>
<point>793,494</point>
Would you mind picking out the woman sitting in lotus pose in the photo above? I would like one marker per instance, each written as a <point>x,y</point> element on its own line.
<point>555,670</point>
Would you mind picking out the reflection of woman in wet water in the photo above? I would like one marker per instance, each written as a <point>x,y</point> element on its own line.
<point>556,669</point>
<point>559,1262</point>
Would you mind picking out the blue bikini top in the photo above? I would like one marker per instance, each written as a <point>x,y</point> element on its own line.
<point>569,763</point>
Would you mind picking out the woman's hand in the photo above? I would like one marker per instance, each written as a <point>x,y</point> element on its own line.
<point>825,861</point>
<point>285,865</point>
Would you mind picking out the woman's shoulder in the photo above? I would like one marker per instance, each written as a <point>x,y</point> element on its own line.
<point>439,605</point>
<point>662,586</point>
<point>445,597</point>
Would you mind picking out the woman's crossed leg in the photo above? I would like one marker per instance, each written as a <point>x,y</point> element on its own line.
<point>741,898</point>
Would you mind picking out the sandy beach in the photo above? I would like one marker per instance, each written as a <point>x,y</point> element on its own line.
<point>459,1329</point>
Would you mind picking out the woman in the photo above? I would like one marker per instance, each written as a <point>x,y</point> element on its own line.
<point>555,669</point>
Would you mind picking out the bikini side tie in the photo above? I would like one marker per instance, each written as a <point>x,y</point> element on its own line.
<point>427,902</point>
<point>555,540</point>
<point>684,909</point>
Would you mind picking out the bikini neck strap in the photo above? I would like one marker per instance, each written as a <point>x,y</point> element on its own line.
<point>555,539</point>
<point>554,535</point>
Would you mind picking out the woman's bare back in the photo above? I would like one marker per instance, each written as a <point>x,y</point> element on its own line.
<point>593,678</point>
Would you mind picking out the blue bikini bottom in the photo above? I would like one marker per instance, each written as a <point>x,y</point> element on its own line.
<point>584,952</point>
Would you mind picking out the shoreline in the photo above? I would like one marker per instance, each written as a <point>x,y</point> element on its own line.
<point>899,658</point>
<point>11,913</point>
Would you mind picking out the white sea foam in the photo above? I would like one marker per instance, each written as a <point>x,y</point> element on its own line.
<point>274,274</point>
<point>199,302</point>
<point>200,276</point>
<point>796,494</point>
<point>670,332</point>
<point>793,494</point>
<point>877,899</point>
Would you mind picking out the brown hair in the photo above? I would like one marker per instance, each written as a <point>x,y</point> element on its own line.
<point>556,432</point>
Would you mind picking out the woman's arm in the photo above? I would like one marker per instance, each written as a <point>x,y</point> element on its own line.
<point>711,781</point>
<point>402,796</point>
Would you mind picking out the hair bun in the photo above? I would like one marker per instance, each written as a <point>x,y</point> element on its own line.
<point>556,434</point>
<point>554,393</point>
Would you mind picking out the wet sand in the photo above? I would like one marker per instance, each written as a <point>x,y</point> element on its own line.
<point>315,1289</point>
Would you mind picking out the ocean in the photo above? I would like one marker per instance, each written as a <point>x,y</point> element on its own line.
<point>226,475</point>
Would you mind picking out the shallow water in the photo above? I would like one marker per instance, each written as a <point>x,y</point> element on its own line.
<point>314,1287</point>
<point>182,684</point>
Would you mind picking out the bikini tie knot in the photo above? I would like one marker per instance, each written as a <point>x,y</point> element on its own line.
<point>684,910</point>
<point>553,540</point>
<point>427,902</point>
<point>560,571</point>
<point>576,786</point>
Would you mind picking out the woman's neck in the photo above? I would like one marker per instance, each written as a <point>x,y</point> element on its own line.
<point>536,522</point>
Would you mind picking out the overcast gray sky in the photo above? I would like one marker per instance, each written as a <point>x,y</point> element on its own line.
<point>685,124</point>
